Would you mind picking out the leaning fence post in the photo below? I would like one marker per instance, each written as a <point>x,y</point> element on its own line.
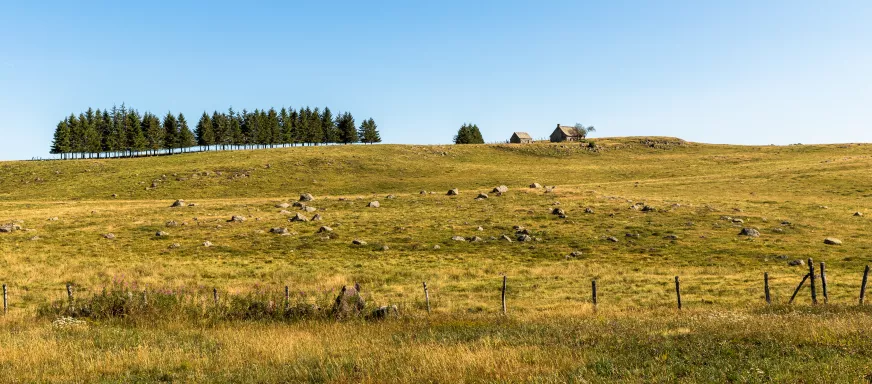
<point>504,295</point>
<point>811,277</point>
<point>678,291</point>
<point>824,283</point>
<point>593,292</point>
<point>798,287</point>
<point>766,287</point>
<point>70,294</point>
<point>427,297</point>
<point>5,300</point>
<point>215,295</point>
<point>863,285</point>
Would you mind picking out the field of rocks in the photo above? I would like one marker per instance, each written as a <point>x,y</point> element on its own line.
<point>308,264</point>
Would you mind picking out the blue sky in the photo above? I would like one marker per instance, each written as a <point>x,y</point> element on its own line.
<point>745,72</point>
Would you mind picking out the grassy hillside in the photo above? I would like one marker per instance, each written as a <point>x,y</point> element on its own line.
<point>701,197</point>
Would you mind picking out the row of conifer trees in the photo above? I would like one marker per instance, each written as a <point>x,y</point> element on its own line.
<point>124,132</point>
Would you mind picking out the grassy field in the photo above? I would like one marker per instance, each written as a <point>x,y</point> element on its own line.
<point>795,196</point>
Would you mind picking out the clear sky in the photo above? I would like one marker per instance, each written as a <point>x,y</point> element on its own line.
<point>745,72</point>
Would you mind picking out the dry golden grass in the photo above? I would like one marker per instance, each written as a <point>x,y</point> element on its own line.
<point>552,333</point>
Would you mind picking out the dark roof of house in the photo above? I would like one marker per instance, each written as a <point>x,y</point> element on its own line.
<point>523,135</point>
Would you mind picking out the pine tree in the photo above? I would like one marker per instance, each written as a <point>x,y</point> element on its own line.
<point>285,126</point>
<point>468,134</point>
<point>135,136</point>
<point>273,127</point>
<point>186,137</point>
<point>316,133</point>
<point>107,130</point>
<point>328,125</point>
<point>369,132</point>
<point>154,132</point>
<point>171,132</point>
<point>347,129</point>
<point>204,133</point>
<point>293,129</point>
<point>61,143</point>
<point>93,140</point>
<point>302,124</point>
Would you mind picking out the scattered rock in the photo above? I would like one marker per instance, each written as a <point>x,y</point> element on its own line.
<point>161,234</point>
<point>53,218</point>
<point>481,196</point>
<point>284,212</point>
<point>307,197</point>
<point>390,197</point>
<point>670,237</point>
<point>778,230</point>
<point>349,302</point>
<point>236,219</point>
<point>795,263</point>
<point>858,214</point>
<point>310,209</point>
<point>178,203</point>
<point>317,217</point>
<point>422,193</point>
<point>633,235</point>
<point>283,205</point>
<point>174,246</point>
<point>385,312</point>
<point>588,210</point>
<point>475,239</point>
<point>558,211</point>
<point>280,231</point>
<point>358,242</point>
<point>458,238</point>
<point>524,238</point>
<point>648,208</point>
<point>298,204</point>
<point>535,185</point>
<point>500,189</point>
<point>479,229</point>
<point>506,238</point>
<point>373,204</point>
<point>832,241</point>
<point>192,205</point>
<point>35,238</point>
<point>110,236</point>
<point>437,247</point>
<point>385,248</point>
<point>737,221</point>
<point>207,243</point>
<point>453,192</point>
<point>325,229</point>
<point>785,222</point>
<point>172,223</point>
<point>749,232</point>
<point>612,239</point>
<point>299,217</point>
<point>114,195</point>
<point>575,254</point>
<point>549,189</point>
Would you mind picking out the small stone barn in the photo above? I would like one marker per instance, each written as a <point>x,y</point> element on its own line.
<point>564,133</point>
<point>521,138</point>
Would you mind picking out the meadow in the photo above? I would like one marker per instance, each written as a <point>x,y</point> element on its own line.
<point>699,198</point>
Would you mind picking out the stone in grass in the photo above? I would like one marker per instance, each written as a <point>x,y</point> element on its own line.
<point>437,247</point>
<point>453,192</point>
<point>178,203</point>
<point>385,248</point>
<point>110,236</point>
<point>481,196</point>
<point>161,234</point>
<point>280,231</point>
<point>325,229</point>
<point>749,232</point>
<point>671,237</point>
<point>283,205</point>
<point>535,185</point>
<point>317,217</point>
<point>832,241</point>
<point>358,242</point>
<point>858,214</point>
<point>389,197</point>
<point>384,312</point>
<point>506,238</point>
<point>575,254</point>
<point>612,239</point>
<point>307,197</point>
<point>174,246</point>
<point>373,204</point>
<point>172,223</point>
<point>558,211</point>
<point>299,217</point>
<point>588,210</point>
<point>310,209</point>
<point>796,263</point>
<point>475,239</point>
<point>458,238</point>
<point>500,189</point>
<point>524,238</point>
<point>349,302</point>
<point>207,243</point>
<point>236,219</point>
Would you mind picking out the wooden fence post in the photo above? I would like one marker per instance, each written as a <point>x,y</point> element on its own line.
<point>593,292</point>
<point>798,287</point>
<point>287,297</point>
<point>70,294</point>
<point>811,277</point>
<point>766,287</point>
<point>504,294</point>
<point>5,300</point>
<point>824,283</point>
<point>678,291</point>
<point>215,295</point>
<point>427,297</point>
<point>863,285</point>
<point>145,297</point>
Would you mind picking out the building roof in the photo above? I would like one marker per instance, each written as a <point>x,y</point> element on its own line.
<point>523,135</point>
<point>568,131</point>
